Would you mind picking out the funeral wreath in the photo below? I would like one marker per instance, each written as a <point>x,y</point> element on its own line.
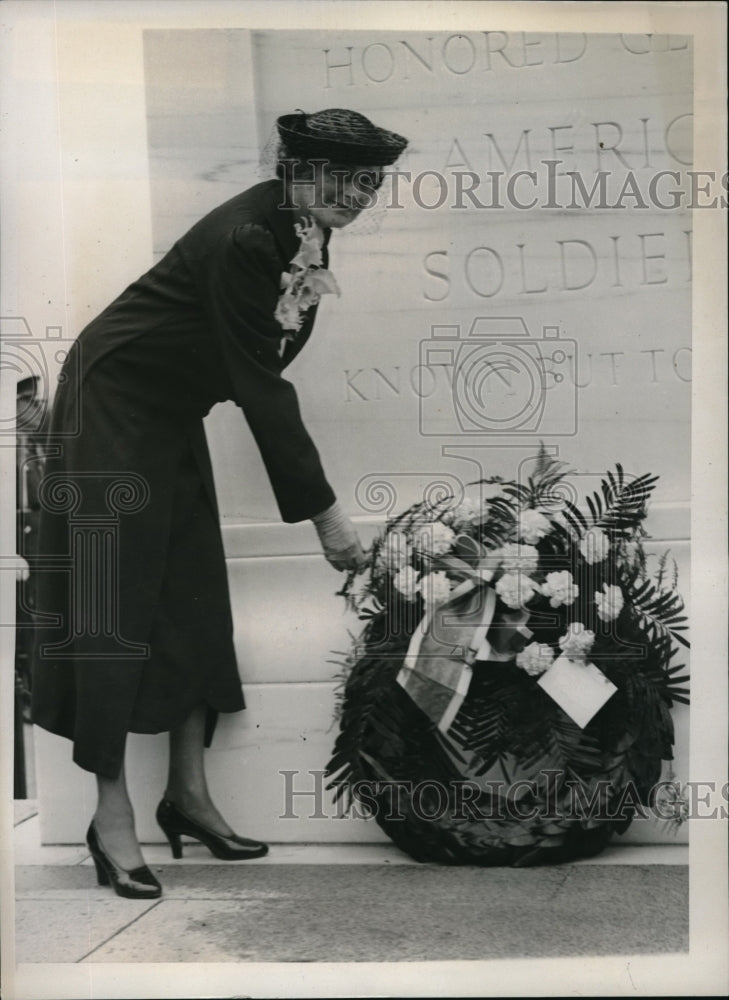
<point>508,700</point>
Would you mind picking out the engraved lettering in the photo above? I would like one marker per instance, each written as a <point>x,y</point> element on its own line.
<point>531,41</point>
<point>569,265</point>
<point>458,151</point>
<point>583,385</point>
<point>642,45</point>
<point>417,381</point>
<point>616,261</point>
<point>470,47</point>
<point>388,62</point>
<point>424,381</point>
<point>613,355</point>
<point>409,49</point>
<point>493,38</point>
<point>525,290</point>
<point>393,386</point>
<point>653,352</point>
<point>507,167</point>
<point>601,145</point>
<point>556,150</point>
<point>646,160</point>
<point>661,279</point>
<point>576,284</point>
<point>669,140</point>
<point>492,268</point>
<point>441,275</point>
<point>411,60</point>
<point>681,351</point>
<point>342,65</point>
<point>571,38</point>
<point>639,47</point>
<point>349,379</point>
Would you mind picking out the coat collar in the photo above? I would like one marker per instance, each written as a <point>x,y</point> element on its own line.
<point>281,221</point>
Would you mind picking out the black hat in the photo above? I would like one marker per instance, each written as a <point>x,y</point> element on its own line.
<point>339,135</point>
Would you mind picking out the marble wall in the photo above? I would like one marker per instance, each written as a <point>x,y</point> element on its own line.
<point>610,282</point>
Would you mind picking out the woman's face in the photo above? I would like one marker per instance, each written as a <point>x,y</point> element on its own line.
<point>334,194</point>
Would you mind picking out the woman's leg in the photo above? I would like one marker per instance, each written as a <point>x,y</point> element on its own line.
<point>114,822</point>
<point>187,785</point>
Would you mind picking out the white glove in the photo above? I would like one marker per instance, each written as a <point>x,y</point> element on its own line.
<point>22,569</point>
<point>339,540</point>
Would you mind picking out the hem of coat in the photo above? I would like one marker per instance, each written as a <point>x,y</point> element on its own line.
<point>111,767</point>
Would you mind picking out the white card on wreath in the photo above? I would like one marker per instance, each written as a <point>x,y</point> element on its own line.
<point>580,689</point>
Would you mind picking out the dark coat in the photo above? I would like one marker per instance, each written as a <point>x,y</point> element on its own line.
<point>132,564</point>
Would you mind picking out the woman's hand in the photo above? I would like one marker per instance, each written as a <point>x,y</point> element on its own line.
<point>339,540</point>
<point>351,558</point>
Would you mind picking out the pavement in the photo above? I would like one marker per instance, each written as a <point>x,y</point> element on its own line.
<point>345,903</point>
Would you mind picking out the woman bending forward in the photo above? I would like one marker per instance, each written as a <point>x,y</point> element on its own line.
<point>138,636</point>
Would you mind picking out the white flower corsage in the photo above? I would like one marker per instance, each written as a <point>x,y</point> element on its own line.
<point>306,281</point>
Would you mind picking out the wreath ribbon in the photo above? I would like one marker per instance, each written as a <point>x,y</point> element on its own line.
<point>452,635</point>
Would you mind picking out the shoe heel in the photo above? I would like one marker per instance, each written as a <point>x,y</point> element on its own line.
<point>175,844</point>
<point>102,876</point>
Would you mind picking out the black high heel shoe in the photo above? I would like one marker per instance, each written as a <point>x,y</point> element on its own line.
<point>174,822</point>
<point>138,883</point>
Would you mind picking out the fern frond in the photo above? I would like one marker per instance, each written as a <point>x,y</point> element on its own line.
<point>620,505</point>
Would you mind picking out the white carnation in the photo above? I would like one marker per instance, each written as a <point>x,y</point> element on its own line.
<point>535,658</point>
<point>609,602</point>
<point>434,539</point>
<point>560,588</point>
<point>595,545</point>
<point>406,581</point>
<point>515,589</point>
<point>435,588</point>
<point>532,525</point>
<point>577,641</point>
<point>396,550</point>
<point>468,512</point>
<point>518,557</point>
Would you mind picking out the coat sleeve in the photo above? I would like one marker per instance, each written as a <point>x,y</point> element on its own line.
<point>242,290</point>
